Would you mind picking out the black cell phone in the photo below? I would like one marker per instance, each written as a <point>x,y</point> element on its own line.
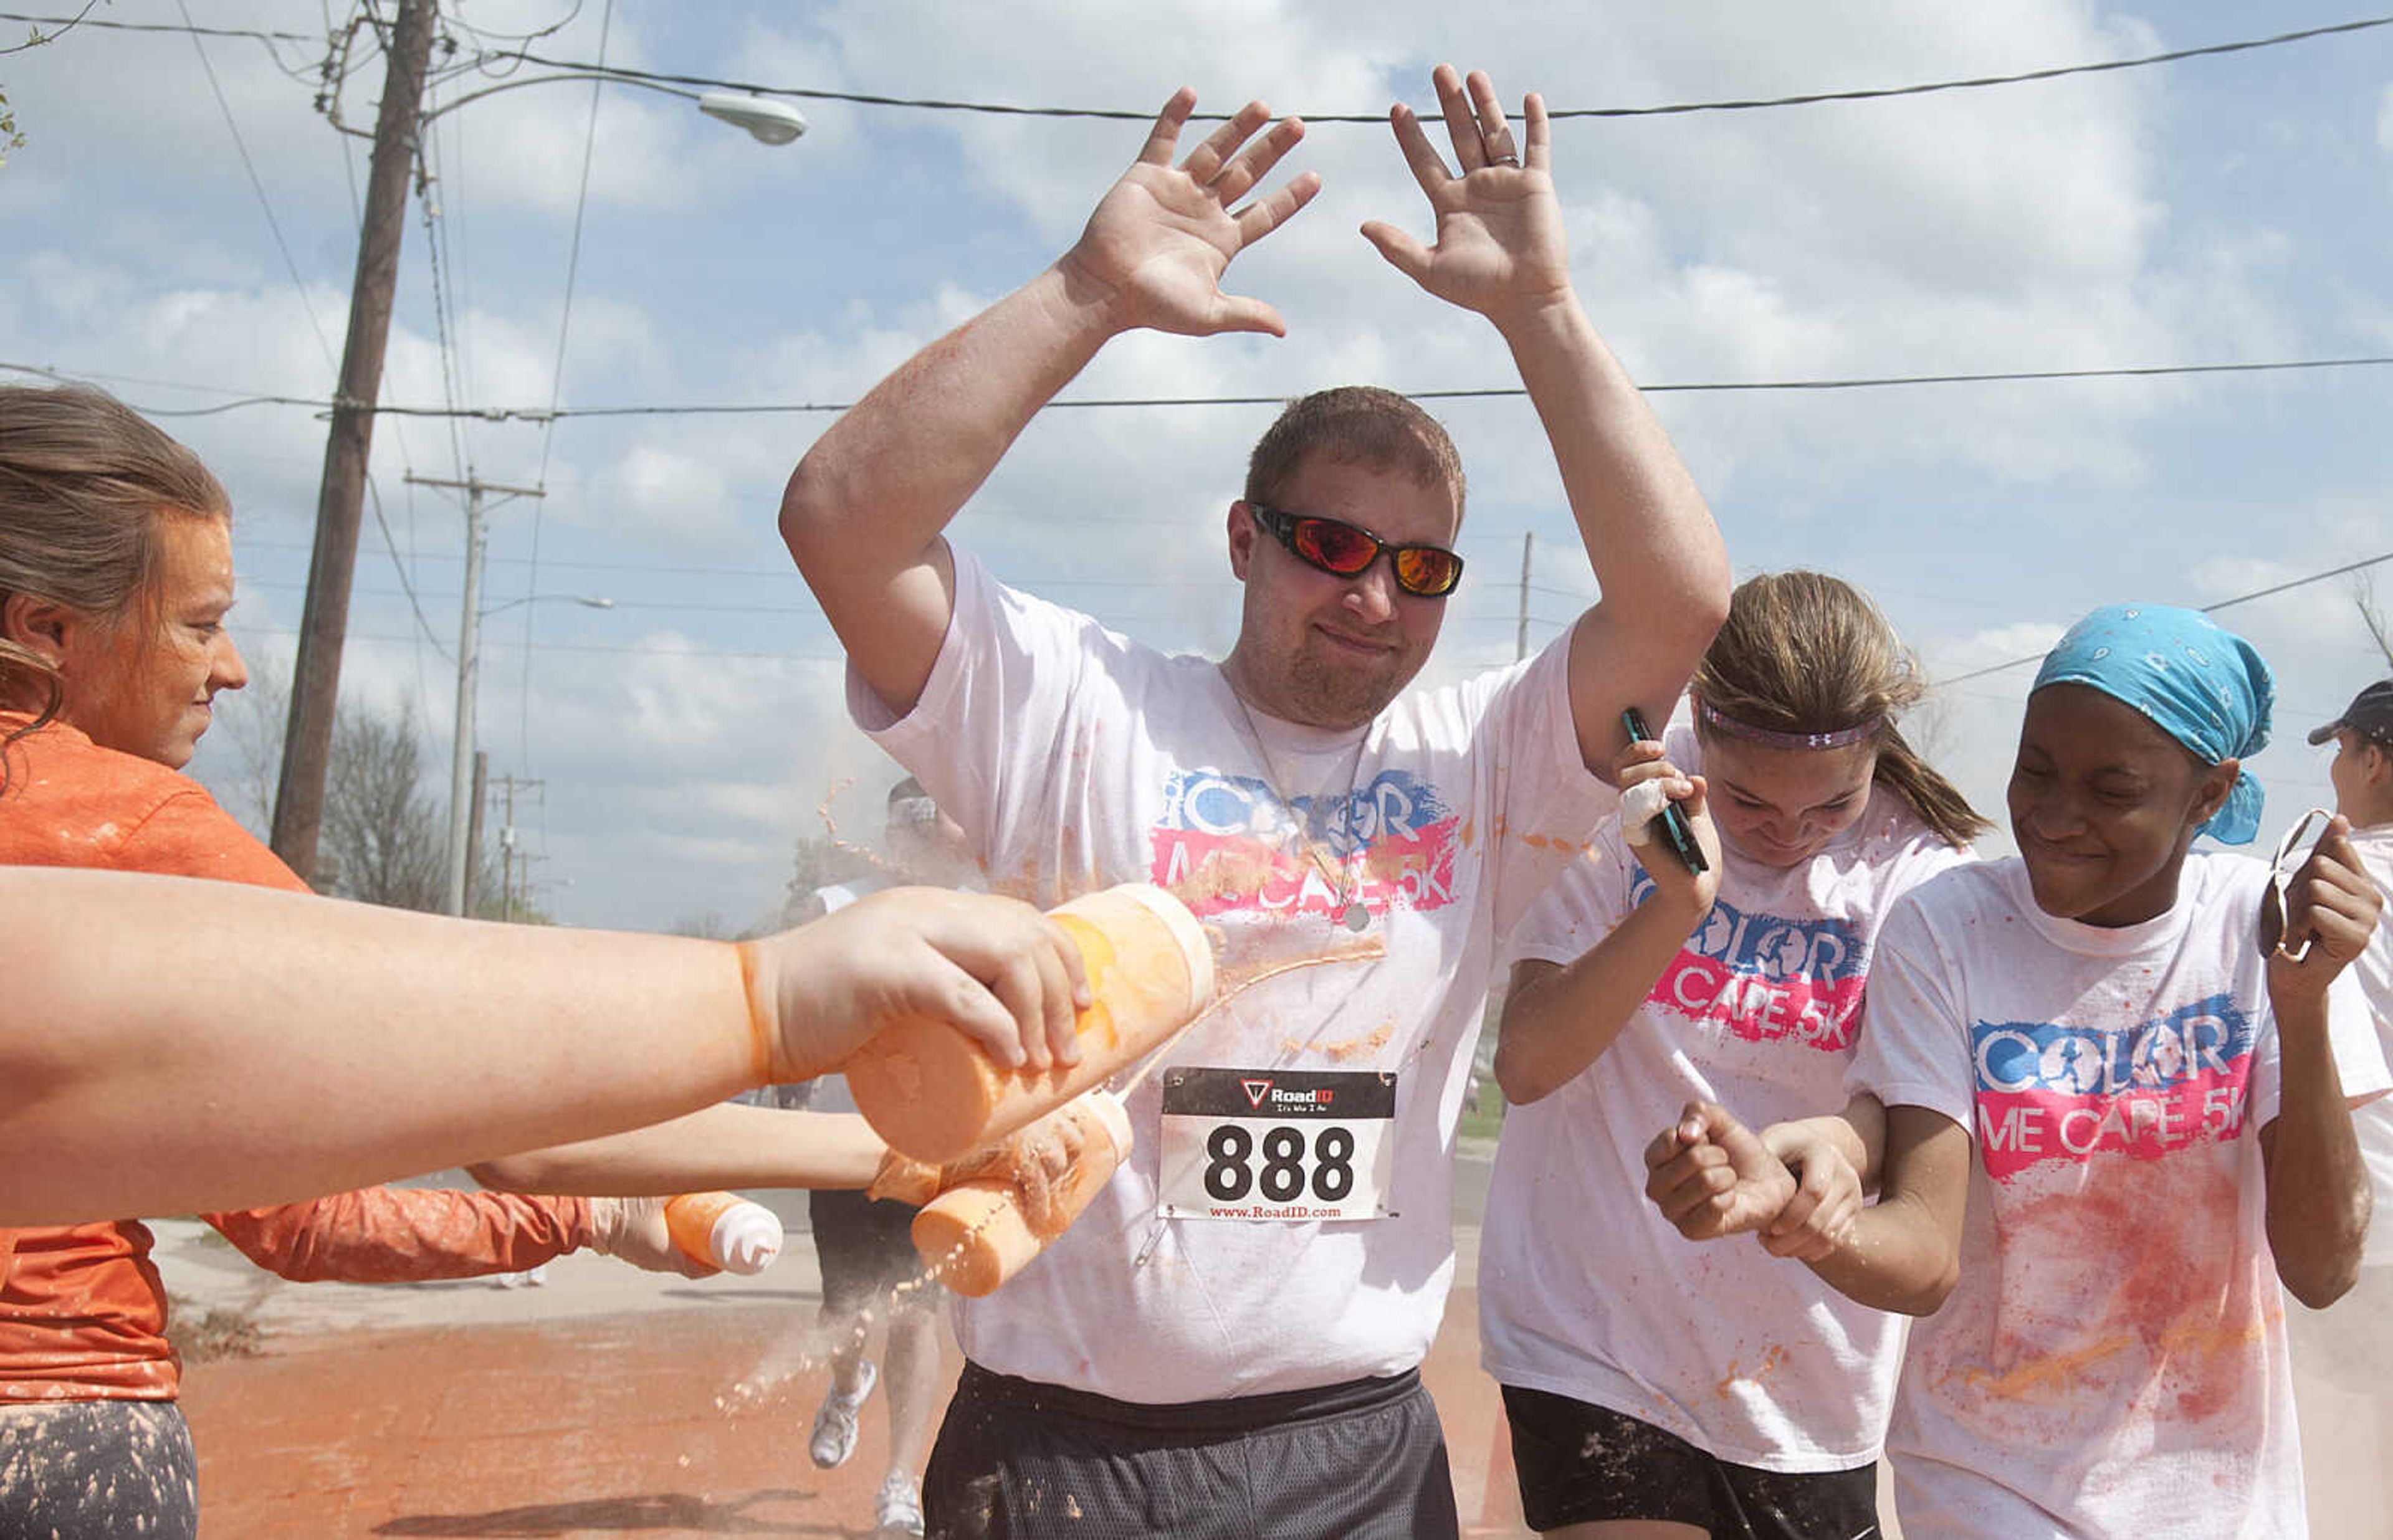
<point>1675,829</point>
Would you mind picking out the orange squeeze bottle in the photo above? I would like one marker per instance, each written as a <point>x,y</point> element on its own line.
<point>724,1230</point>
<point>979,1232</point>
<point>931,1093</point>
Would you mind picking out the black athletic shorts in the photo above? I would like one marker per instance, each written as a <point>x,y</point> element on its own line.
<point>1364,1460</point>
<point>866,1247</point>
<point>1580,1464</point>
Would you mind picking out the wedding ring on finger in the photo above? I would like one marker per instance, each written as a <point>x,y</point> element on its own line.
<point>1512,161</point>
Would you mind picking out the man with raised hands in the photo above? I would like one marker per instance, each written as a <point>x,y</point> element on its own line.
<point>1230,1338</point>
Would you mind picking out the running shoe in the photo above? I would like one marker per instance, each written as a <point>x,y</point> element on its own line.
<point>899,1507</point>
<point>835,1435</point>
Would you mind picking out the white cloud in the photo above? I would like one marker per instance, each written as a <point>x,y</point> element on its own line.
<point>2078,222</point>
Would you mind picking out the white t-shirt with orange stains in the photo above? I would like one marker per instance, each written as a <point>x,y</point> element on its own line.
<point>1584,1290</point>
<point>2112,1360</point>
<point>2374,968</point>
<point>1075,760</point>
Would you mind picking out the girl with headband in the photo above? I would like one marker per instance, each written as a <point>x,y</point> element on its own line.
<point>2116,1117</point>
<point>1651,1383</point>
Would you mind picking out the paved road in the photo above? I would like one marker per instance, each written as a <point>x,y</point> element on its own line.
<point>614,1402</point>
<point>608,1402</point>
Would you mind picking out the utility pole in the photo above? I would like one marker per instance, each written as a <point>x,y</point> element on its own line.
<point>324,620</point>
<point>1520,634</point>
<point>474,830</point>
<point>508,902</point>
<point>469,648</point>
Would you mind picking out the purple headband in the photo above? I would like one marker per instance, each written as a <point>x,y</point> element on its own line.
<point>1769,738</point>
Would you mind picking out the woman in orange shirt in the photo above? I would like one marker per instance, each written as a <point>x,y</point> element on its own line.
<point>115,575</point>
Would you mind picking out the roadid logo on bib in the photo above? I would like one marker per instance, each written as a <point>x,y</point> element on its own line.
<point>1277,1144</point>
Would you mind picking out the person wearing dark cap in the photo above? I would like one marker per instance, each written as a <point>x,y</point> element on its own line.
<point>2350,1347</point>
<point>2366,723</point>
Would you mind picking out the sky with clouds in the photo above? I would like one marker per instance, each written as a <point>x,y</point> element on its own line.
<point>189,253</point>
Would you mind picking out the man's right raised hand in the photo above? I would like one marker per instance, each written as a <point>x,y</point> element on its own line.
<point>1155,250</point>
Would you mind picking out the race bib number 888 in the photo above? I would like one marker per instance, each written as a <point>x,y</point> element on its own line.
<point>1276,1145</point>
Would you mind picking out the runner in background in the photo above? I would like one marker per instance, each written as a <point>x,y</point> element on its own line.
<point>865,1245</point>
<point>2350,1347</point>
<point>1656,1387</point>
<point>2116,1120</point>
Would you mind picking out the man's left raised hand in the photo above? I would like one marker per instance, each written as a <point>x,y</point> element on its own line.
<point>1500,249</point>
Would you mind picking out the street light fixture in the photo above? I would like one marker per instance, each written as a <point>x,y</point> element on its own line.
<point>587,601</point>
<point>332,567</point>
<point>766,121</point>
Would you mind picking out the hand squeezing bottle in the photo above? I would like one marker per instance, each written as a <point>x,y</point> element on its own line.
<point>931,1094</point>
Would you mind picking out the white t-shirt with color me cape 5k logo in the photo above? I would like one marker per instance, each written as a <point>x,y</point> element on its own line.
<point>2112,1360</point>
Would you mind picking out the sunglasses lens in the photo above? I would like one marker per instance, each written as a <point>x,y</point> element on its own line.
<point>1428,571</point>
<point>2272,918</point>
<point>1339,548</point>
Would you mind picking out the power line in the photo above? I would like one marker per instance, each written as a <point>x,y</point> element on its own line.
<point>1808,98</point>
<point>63,22</point>
<point>461,24</point>
<point>298,284</point>
<point>2206,610</point>
<point>1879,382</point>
<point>487,61</point>
<point>66,24</point>
<point>556,378</point>
<point>258,186</point>
<point>644,649</point>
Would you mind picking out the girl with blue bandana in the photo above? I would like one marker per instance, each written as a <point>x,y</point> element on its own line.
<point>2111,1125</point>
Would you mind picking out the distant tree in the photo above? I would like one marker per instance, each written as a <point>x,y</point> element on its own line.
<point>384,836</point>
<point>2371,617</point>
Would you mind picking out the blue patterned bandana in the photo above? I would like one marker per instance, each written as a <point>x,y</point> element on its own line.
<point>2201,683</point>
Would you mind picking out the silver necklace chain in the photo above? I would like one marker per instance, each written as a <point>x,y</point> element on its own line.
<point>1352,912</point>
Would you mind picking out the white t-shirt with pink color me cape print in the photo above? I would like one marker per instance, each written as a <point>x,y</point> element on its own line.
<point>1075,760</point>
<point>1584,1290</point>
<point>2113,1360</point>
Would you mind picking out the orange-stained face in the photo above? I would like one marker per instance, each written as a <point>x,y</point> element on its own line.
<point>1318,648</point>
<point>144,686</point>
